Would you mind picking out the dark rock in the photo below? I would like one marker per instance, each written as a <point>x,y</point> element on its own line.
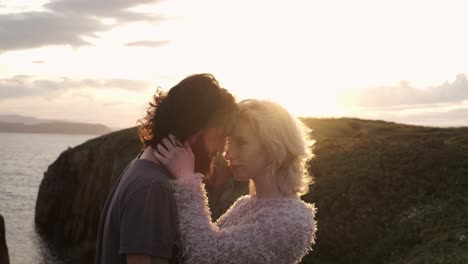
<point>4,257</point>
<point>75,188</point>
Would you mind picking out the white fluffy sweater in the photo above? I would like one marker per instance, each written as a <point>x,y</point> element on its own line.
<point>253,230</point>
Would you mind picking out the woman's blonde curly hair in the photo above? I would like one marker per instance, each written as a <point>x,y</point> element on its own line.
<point>285,140</point>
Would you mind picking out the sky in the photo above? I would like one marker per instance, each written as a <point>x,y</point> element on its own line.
<point>101,61</point>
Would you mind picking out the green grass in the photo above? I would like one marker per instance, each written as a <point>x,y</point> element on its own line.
<point>389,193</point>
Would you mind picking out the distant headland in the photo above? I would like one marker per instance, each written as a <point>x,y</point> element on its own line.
<point>23,124</point>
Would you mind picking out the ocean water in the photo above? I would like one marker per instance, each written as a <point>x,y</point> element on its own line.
<point>23,160</point>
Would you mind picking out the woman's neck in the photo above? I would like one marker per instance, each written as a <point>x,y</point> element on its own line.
<point>266,187</point>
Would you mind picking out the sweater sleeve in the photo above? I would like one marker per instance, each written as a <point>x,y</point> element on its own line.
<point>265,241</point>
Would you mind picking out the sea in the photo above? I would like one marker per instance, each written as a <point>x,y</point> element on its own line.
<point>24,158</point>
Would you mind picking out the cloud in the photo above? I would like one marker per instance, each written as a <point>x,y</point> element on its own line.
<point>25,86</point>
<point>117,9</point>
<point>434,117</point>
<point>84,94</point>
<point>37,29</point>
<point>147,43</point>
<point>442,105</point>
<point>405,95</point>
<point>67,22</point>
<point>131,85</point>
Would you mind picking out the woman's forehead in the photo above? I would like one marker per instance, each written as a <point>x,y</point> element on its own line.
<point>241,129</point>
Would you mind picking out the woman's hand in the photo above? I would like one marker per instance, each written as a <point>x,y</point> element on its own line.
<point>177,158</point>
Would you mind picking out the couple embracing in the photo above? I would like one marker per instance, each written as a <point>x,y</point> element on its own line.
<point>157,211</point>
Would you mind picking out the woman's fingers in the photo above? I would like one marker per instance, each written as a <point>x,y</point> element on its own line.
<point>178,158</point>
<point>168,144</point>
<point>188,148</point>
<point>162,150</point>
<point>174,140</point>
<point>169,147</point>
<point>159,157</point>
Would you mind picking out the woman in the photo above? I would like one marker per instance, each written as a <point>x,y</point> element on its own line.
<point>269,147</point>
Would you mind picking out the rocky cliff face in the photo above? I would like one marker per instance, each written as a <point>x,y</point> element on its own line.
<point>75,188</point>
<point>385,193</point>
<point>4,257</point>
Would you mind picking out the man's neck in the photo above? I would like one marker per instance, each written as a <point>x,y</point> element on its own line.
<point>148,155</point>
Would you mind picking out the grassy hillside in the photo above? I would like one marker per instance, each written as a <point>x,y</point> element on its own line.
<point>389,193</point>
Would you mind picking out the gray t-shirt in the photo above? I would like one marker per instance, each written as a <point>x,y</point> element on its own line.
<point>139,216</point>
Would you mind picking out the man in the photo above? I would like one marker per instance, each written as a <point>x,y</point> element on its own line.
<point>138,221</point>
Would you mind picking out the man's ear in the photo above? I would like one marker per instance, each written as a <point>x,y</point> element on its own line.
<point>193,138</point>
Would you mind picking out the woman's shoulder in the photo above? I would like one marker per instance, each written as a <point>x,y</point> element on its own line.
<point>305,207</point>
<point>297,218</point>
<point>292,211</point>
<point>293,221</point>
<point>242,201</point>
<point>292,205</point>
<point>302,208</point>
<point>296,222</point>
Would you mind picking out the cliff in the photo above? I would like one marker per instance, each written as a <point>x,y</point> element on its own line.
<point>4,257</point>
<point>385,192</point>
<point>75,188</point>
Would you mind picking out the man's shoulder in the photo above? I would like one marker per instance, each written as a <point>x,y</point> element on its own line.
<point>142,173</point>
<point>148,167</point>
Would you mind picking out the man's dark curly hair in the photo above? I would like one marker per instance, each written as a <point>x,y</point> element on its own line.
<point>195,103</point>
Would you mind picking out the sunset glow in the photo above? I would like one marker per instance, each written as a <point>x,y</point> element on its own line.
<point>316,58</point>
